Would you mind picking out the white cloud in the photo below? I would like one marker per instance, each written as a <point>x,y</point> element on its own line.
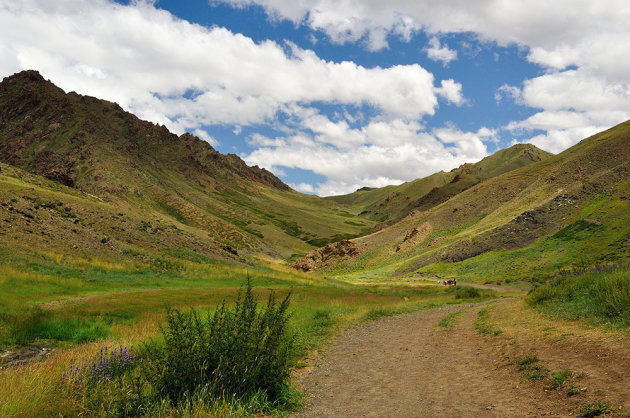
<point>451,91</point>
<point>536,23</point>
<point>437,52</point>
<point>303,187</point>
<point>558,140</point>
<point>511,92</point>
<point>185,75</point>
<point>466,144</point>
<point>383,152</point>
<point>575,104</point>
<point>205,136</point>
<point>582,44</point>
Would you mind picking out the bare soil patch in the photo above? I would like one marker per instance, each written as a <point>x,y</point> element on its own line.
<point>405,366</point>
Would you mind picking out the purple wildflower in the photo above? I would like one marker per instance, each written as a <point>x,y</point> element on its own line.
<point>104,366</point>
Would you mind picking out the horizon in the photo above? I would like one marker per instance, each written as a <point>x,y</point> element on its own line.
<point>332,98</point>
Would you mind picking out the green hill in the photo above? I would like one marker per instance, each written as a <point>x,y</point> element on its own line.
<point>82,178</point>
<point>562,212</point>
<point>392,203</point>
<point>135,184</point>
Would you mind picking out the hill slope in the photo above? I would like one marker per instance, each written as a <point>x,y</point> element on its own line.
<point>566,210</point>
<point>392,203</point>
<point>125,165</point>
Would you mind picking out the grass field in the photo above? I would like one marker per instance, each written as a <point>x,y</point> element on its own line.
<point>78,306</point>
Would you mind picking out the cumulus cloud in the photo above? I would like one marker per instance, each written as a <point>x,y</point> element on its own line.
<point>188,76</point>
<point>436,52</point>
<point>205,136</point>
<point>580,43</point>
<point>451,91</point>
<point>380,153</point>
<point>511,92</point>
<point>134,55</point>
<point>303,187</point>
<point>576,104</point>
<point>545,26</point>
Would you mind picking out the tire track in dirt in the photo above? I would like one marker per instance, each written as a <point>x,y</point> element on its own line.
<point>404,366</point>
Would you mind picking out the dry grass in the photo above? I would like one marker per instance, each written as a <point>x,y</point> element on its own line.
<point>519,321</point>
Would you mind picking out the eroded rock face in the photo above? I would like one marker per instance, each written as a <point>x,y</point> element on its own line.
<point>322,256</point>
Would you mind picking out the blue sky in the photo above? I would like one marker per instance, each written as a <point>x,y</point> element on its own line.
<point>335,95</point>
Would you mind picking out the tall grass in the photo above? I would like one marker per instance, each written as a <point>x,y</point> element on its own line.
<point>39,324</point>
<point>603,297</point>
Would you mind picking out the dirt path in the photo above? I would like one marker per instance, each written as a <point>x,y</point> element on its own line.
<point>405,366</point>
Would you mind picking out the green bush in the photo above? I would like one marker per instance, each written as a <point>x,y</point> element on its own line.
<point>238,352</point>
<point>613,295</point>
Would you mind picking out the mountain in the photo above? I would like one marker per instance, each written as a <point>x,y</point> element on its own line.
<point>64,137</point>
<point>82,178</point>
<point>392,203</point>
<point>114,166</point>
<point>563,211</point>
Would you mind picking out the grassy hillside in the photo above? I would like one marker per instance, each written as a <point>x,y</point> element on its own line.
<point>565,210</point>
<point>392,203</point>
<point>167,183</point>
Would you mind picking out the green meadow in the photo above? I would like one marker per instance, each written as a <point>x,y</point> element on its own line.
<point>77,306</point>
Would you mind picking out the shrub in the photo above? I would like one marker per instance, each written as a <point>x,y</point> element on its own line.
<point>613,295</point>
<point>108,384</point>
<point>238,352</point>
<point>232,361</point>
<point>104,367</point>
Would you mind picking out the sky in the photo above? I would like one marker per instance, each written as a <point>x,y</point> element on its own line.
<point>334,95</point>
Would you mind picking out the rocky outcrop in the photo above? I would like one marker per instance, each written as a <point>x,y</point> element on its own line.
<point>327,255</point>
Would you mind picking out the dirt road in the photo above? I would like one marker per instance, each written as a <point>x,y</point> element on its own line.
<point>406,366</point>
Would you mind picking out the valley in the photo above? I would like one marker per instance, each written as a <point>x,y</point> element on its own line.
<point>108,221</point>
